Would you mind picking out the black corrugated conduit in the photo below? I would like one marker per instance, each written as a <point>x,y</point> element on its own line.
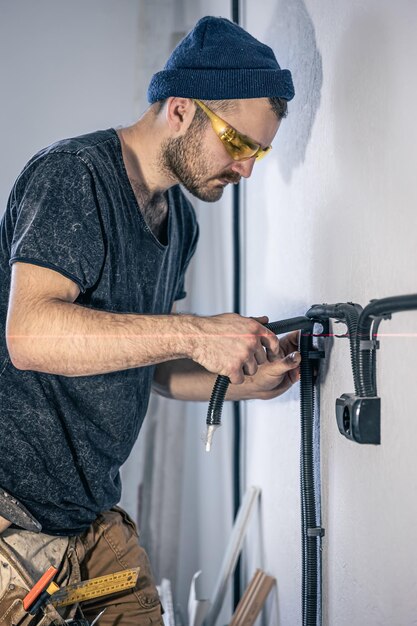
<point>237,413</point>
<point>358,414</point>
<point>371,317</point>
<point>311,531</point>
<point>346,312</point>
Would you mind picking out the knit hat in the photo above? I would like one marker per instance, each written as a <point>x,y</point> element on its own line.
<point>218,60</point>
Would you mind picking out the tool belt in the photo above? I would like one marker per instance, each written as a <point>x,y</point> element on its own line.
<point>16,579</point>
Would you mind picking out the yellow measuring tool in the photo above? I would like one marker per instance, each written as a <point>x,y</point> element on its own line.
<point>95,587</point>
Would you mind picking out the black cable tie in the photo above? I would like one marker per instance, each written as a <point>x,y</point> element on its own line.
<point>316,532</point>
<point>369,344</point>
<point>316,354</point>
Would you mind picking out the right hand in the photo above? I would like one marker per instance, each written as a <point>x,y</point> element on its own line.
<point>232,345</point>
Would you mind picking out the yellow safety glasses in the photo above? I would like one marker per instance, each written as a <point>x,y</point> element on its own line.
<point>240,147</point>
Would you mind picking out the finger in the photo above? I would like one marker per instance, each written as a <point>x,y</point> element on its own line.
<point>293,360</point>
<point>260,356</point>
<point>250,367</point>
<point>290,342</point>
<point>294,375</point>
<point>237,377</point>
<point>264,319</point>
<point>285,385</point>
<point>288,363</point>
<point>271,344</point>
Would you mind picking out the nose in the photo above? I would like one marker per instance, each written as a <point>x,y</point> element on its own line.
<point>244,168</point>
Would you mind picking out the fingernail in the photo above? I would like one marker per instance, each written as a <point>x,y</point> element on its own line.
<point>295,357</point>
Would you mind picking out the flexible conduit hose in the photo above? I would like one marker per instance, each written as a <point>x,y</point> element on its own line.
<point>310,533</point>
<point>351,317</point>
<point>349,314</point>
<point>214,413</point>
<point>376,309</point>
<point>374,336</point>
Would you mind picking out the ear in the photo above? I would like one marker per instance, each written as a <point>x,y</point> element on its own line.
<point>179,114</point>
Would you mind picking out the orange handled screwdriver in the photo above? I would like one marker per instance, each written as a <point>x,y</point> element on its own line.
<point>37,589</point>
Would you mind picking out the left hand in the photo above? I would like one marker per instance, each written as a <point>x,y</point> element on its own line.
<point>272,378</point>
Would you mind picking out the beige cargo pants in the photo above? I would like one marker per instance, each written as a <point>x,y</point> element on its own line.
<point>109,545</point>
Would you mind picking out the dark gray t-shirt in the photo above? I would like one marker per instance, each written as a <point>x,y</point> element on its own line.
<point>73,210</point>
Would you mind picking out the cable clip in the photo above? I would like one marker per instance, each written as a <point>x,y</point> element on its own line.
<point>316,354</point>
<point>316,532</point>
<point>369,344</point>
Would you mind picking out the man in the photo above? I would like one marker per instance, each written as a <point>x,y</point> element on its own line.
<point>95,243</point>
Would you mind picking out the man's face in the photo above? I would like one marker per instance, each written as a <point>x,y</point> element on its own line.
<point>199,160</point>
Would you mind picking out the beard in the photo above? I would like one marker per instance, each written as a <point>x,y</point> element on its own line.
<point>184,158</point>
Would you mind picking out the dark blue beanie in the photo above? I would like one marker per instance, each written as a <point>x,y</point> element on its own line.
<point>218,60</point>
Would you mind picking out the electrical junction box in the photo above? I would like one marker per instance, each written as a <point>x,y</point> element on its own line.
<point>359,419</point>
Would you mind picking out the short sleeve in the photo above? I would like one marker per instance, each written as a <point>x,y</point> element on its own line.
<point>58,221</point>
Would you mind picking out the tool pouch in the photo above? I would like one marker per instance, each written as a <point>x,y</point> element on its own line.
<point>16,580</point>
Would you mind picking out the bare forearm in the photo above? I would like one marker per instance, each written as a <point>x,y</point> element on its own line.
<point>71,340</point>
<point>185,380</point>
<point>48,332</point>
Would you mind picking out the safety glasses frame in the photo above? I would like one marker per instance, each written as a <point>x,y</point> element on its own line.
<point>240,147</point>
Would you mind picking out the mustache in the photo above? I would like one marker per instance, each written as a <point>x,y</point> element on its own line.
<point>231,177</point>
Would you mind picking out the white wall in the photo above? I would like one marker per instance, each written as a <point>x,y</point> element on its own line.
<point>65,68</point>
<point>332,217</point>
